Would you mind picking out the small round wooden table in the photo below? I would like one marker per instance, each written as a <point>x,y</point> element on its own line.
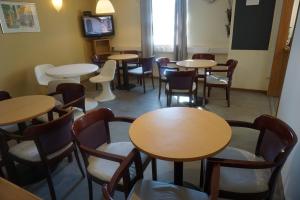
<point>21,109</point>
<point>73,71</point>
<point>180,134</point>
<point>198,64</point>
<point>123,58</point>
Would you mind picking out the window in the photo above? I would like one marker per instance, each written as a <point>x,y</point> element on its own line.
<point>163,12</point>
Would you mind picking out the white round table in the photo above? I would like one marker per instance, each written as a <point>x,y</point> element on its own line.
<point>73,71</point>
<point>123,58</point>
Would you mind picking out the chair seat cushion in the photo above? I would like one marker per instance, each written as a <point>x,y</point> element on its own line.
<point>165,71</point>
<point>153,190</point>
<point>104,169</point>
<point>10,128</point>
<point>181,91</point>
<point>27,150</point>
<point>90,104</point>
<point>217,80</point>
<point>138,71</point>
<point>242,180</point>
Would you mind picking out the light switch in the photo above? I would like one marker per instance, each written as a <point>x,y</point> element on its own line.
<point>252,2</point>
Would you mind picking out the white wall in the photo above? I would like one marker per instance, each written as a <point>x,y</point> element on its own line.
<point>289,112</point>
<point>254,68</point>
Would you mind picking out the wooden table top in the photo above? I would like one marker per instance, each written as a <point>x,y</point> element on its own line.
<point>10,191</point>
<point>72,70</point>
<point>180,134</point>
<point>123,57</point>
<point>196,63</point>
<point>24,108</point>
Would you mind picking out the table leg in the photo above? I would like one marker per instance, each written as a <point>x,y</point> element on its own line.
<point>178,173</point>
<point>119,75</point>
<point>126,85</point>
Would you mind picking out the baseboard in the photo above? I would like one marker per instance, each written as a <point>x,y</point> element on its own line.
<point>249,90</point>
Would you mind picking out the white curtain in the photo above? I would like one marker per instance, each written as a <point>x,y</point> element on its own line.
<point>146,28</point>
<point>180,30</point>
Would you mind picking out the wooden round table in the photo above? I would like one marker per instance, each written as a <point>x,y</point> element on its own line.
<point>21,109</point>
<point>180,134</point>
<point>123,58</point>
<point>72,71</point>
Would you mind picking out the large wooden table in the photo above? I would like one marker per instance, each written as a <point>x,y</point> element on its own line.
<point>21,109</point>
<point>10,191</point>
<point>123,58</point>
<point>180,134</point>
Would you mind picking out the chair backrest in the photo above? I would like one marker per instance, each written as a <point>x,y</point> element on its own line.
<point>4,95</point>
<point>181,80</point>
<point>109,68</point>
<point>40,74</point>
<point>52,85</point>
<point>71,92</point>
<point>92,129</point>
<point>100,59</point>
<point>161,63</point>
<point>231,64</point>
<point>204,56</point>
<point>52,136</point>
<point>147,63</point>
<point>276,139</point>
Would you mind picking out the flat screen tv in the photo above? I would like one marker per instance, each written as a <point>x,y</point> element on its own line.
<point>98,26</point>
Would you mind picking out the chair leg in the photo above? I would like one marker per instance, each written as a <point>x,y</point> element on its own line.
<point>209,90</point>
<point>144,85</point>
<point>152,80</point>
<point>159,89</point>
<point>78,162</point>
<point>202,174</point>
<point>90,185</point>
<point>70,158</point>
<point>50,184</point>
<point>154,169</point>
<point>228,96</point>
<point>190,100</point>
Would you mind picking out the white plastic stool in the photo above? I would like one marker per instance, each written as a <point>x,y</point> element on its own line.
<point>105,77</point>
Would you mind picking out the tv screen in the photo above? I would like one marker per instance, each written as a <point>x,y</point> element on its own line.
<point>97,26</point>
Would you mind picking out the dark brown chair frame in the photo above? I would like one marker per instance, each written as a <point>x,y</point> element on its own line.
<point>276,141</point>
<point>162,64</point>
<point>147,66</point>
<point>42,135</point>
<point>181,80</point>
<point>107,116</point>
<point>231,65</point>
<point>134,157</point>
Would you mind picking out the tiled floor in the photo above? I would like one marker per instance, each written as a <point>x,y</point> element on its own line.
<point>245,106</point>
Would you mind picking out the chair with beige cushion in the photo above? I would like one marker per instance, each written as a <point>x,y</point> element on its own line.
<point>163,67</point>
<point>101,156</point>
<point>247,175</point>
<point>221,81</point>
<point>181,83</point>
<point>44,145</point>
<point>153,190</point>
<point>145,69</point>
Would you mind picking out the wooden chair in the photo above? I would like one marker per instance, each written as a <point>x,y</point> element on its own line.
<point>203,56</point>
<point>162,64</point>
<point>213,80</point>
<point>44,145</point>
<point>245,175</point>
<point>153,190</point>
<point>134,63</point>
<point>146,68</point>
<point>180,83</point>
<point>100,155</point>
<point>100,59</point>
<point>68,95</point>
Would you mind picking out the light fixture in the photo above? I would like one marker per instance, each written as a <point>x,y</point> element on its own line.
<point>57,4</point>
<point>104,7</point>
